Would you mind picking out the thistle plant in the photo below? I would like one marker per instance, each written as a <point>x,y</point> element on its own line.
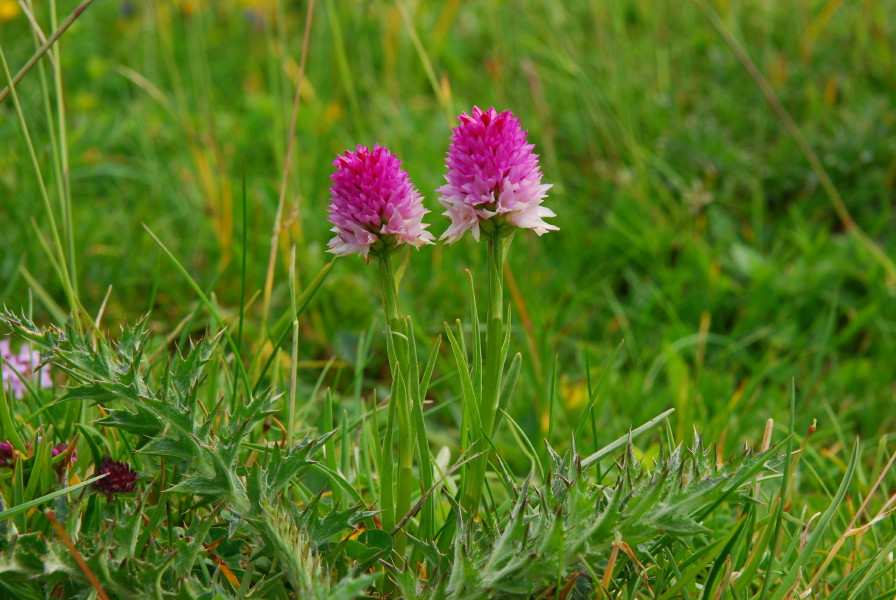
<point>493,188</point>
<point>192,462</point>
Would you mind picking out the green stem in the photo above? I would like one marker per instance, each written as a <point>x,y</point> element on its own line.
<point>405,466</point>
<point>65,195</point>
<point>398,361</point>
<point>498,247</point>
<point>390,291</point>
<point>6,422</point>
<point>494,360</point>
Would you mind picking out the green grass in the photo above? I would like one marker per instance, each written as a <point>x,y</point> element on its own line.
<point>692,226</point>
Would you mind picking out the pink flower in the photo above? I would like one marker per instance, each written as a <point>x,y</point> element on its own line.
<point>373,204</point>
<point>18,368</point>
<point>492,172</point>
<point>61,448</point>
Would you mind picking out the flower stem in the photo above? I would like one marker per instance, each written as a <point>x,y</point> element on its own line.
<point>398,362</point>
<point>494,359</point>
<point>498,246</point>
<point>390,290</point>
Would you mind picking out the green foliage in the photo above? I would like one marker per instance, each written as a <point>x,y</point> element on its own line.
<point>691,224</point>
<point>201,457</point>
<point>540,537</point>
<point>553,535</point>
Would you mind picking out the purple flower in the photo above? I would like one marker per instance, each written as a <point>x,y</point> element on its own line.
<point>61,448</point>
<point>121,479</point>
<point>18,368</point>
<point>373,204</point>
<point>7,454</point>
<point>492,173</point>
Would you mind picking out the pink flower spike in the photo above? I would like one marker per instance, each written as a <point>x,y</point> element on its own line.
<point>492,172</point>
<point>373,204</point>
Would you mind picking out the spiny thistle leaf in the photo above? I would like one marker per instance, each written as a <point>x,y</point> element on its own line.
<point>283,470</point>
<point>571,519</point>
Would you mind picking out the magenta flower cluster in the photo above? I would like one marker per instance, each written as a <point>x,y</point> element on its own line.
<point>492,174</point>
<point>374,204</point>
<point>7,454</point>
<point>62,448</point>
<point>22,367</point>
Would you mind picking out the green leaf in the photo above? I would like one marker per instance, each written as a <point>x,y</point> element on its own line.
<point>201,486</point>
<point>618,443</point>
<point>126,532</point>
<point>796,567</point>
<point>46,498</point>
<point>321,530</point>
<point>182,449</point>
<point>6,422</point>
<point>284,470</point>
<point>136,420</point>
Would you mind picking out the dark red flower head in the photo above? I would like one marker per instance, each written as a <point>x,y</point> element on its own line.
<point>120,478</point>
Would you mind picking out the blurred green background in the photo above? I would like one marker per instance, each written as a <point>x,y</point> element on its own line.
<point>691,224</point>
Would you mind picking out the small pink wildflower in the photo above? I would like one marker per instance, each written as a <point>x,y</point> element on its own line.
<point>492,172</point>
<point>373,204</point>
<point>61,448</point>
<point>18,368</point>
<point>61,467</point>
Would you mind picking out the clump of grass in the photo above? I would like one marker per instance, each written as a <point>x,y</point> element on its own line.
<point>218,490</point>
<point>224,504</point>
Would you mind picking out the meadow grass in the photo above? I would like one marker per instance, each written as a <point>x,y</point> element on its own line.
<point>151,170</point>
